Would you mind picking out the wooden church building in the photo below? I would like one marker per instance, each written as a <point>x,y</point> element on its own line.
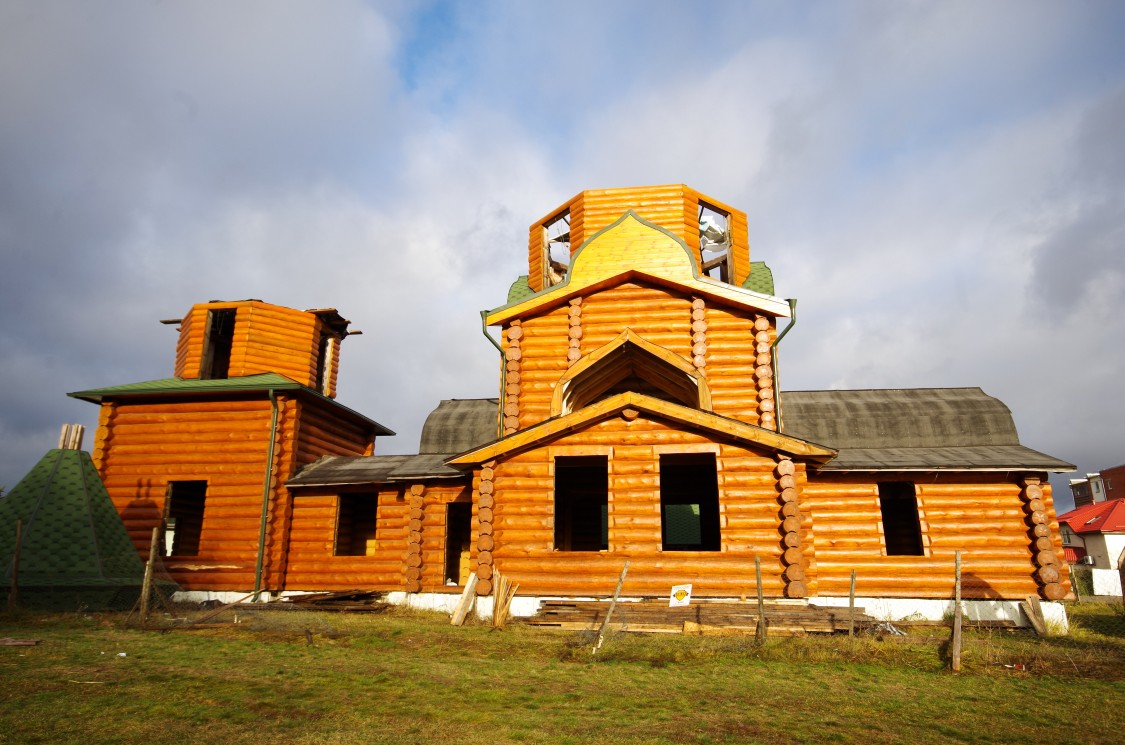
<point>639,418</point>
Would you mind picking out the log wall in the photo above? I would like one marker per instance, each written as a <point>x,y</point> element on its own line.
<point>673,207</point>
<point>981,515</point>
<point>140,447</point>
<point>267,338</point>
<point>542,361</point>
<point>522,517</point>
<point>312,565</point>
<point>730,347</point>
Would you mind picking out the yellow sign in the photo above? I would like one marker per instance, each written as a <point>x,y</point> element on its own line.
<point>681,595</point>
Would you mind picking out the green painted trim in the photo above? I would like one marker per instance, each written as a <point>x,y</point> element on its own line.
<point>261,383</point>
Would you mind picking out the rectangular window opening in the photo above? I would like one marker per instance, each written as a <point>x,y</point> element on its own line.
<point>218,344</point>
<point>689,503</point>
<point>902,530</point>
<point>556,249</point>
<point>183,517</point>
<point>458,542</point>
<point>355,524</point>
<point>582,503</point>
<point>714,243</point>
<point>324,356</point>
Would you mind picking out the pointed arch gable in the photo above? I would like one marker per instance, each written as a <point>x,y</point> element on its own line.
<point>630,361</point>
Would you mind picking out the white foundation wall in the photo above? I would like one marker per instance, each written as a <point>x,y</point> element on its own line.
<point>923,609</point>
<point>1106,581</point>
<point>883,609</point>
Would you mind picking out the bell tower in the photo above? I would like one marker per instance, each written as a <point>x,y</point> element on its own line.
<point>716,233</point>
<point>222,339</point>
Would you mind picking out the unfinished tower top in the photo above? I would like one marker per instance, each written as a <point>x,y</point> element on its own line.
<point>715,233</point>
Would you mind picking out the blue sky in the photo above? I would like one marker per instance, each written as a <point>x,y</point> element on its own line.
<point>942,185</point>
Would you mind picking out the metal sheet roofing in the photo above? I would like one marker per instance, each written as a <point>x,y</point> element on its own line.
<point>262,382</point>
<point>1099,517</point>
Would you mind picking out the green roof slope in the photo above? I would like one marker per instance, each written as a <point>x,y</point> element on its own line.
<point>75,552</point>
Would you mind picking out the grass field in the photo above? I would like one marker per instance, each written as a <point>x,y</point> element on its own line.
<point>404,677</point>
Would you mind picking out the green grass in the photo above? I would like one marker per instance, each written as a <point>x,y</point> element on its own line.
<point>407,677</point>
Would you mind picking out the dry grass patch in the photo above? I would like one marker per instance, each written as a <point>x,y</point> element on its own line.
<point>408,677</point>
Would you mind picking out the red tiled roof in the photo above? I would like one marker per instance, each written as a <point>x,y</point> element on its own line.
<point>1100,517</point>
<point>1073,554</point>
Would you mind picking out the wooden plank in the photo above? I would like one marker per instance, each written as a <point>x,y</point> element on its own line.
<point>1034,612</point>
<point>468,596</point>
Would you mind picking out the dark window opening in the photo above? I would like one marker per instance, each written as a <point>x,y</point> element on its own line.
<point>689,503</point>
<point>355,524</point>
<point>183,517</point>
<point>714,243</point>
<point>582,503</point>
<point>458,542</point>
<point>217,345</point>
<point>901,528</point>
<point>324,356</point>
<point>556,249</point>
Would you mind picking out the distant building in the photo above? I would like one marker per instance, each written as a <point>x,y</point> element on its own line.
<point>1094,535</point>
<point>1099,487</point>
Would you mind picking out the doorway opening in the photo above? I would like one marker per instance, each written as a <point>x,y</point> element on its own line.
<point>458,540</point>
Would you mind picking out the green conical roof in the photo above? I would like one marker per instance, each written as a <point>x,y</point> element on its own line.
<point>75,551</point>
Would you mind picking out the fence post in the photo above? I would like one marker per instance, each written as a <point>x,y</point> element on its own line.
<point>609,613</point>
<point>760,632</point>
<point>955,647</point>
<point>146,584</point>
<point>851,606</point>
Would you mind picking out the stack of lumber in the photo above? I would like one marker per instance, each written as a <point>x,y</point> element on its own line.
<point>655,617</point>
<point>344,600</point>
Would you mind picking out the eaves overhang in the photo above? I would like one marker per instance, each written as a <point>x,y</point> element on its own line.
<point>262,383</point>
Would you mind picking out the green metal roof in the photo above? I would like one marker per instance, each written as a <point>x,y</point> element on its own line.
<point>262,382</point>
<point>75,550</point>
<point>760,278</point>
<point>172,386</point>
<point>519,290</point>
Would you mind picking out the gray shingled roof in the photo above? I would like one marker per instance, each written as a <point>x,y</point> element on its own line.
<point>334,470</point>
<point>912,429</point>
<point>957,429</point>
<point>453,427</point>
<point>458,425</point>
